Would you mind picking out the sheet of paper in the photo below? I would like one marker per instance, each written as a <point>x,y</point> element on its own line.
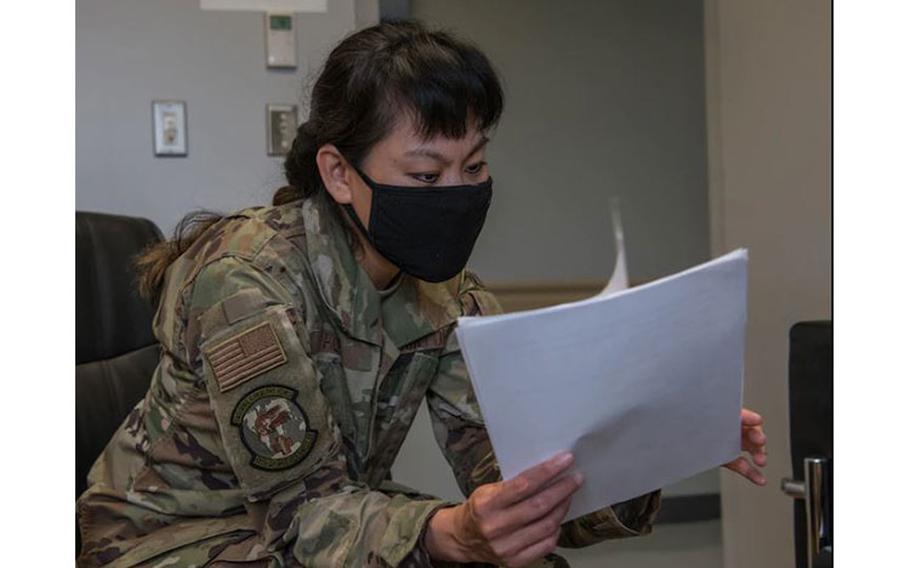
<point>619,280</point>
<point>644,385</point>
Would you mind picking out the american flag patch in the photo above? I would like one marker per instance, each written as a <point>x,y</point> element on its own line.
<point>245,356</point>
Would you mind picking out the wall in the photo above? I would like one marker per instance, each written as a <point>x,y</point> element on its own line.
<point>769,116</point>
<point>602,98</point>
<point>129,52</point>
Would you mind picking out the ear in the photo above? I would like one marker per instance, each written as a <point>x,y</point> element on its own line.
<point>335,172</point>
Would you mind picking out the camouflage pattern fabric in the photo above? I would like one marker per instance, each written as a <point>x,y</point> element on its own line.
<point>286,387</point>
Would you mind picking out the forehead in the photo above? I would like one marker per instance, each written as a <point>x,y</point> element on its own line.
<point>404,138</point>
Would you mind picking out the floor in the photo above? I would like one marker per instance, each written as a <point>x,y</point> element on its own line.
<point>688,545</point>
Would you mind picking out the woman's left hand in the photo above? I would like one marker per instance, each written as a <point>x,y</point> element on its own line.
<point>753,441</point>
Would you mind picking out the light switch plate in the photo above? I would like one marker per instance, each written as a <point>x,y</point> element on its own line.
<point>169,125</point>
<point>281,125</point>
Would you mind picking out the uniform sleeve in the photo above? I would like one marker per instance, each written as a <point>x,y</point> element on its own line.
<point>279,436</point>
<point>460,432</point>
<point>457,422</point>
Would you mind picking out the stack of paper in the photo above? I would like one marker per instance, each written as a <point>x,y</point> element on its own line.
<point>644,384</point>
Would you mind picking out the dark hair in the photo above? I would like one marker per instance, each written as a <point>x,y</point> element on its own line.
<point>374,75</point>
<point>367,82</point>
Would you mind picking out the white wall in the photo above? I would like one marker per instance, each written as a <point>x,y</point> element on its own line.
<point>769,116</point>
<point>129,52</point>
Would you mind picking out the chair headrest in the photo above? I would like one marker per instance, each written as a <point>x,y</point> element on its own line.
<point>111,318</point>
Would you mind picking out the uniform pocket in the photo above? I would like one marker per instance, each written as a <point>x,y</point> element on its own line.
<point>401,394</point>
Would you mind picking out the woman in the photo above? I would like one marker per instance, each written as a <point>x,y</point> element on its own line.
<point>299,340</point>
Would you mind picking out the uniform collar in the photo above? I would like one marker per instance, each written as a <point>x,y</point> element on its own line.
<point>413,310</point>
<point>417,309</point>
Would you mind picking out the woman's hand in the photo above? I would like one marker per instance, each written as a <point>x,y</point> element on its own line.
<point>753,441</point>
<point>509,523</point>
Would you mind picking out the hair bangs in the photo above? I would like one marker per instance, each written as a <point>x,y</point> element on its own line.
<point>444,87</point>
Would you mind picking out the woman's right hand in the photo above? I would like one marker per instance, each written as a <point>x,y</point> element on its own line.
<point>510,523</point>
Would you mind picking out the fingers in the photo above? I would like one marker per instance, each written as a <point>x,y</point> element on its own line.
<point>741,466</point>
<point>532,480</point>
<point>537,540</point>
<point>535,552</point>
<point>755,435</point>
<point>505,533</point>
<point>751,418</point>
<point>753,439</point>
<point>758,454</point>
<point>543,504</point>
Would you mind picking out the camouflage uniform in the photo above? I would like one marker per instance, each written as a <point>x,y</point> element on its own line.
<point>286,386</point>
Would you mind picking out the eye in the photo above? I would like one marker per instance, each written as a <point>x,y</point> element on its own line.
<point>475,169</point>
<point>425,177</point>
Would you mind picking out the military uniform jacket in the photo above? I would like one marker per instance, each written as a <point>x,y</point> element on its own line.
<point>286,386</point>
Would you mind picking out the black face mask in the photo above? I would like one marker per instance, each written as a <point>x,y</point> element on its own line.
<point>428,232</point>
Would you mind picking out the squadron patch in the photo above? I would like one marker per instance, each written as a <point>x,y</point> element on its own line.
<point>245,356</point>
<point>273,428</point>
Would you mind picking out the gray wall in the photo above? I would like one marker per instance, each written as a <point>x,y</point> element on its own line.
<point>129,52</point>
<point>603,97</point>
<point>769,103</point>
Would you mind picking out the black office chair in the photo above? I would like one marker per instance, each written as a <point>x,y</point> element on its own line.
<point>116,352</point>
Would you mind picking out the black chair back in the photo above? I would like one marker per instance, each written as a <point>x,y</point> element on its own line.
<point>111,319</point>
<point>116,352</point>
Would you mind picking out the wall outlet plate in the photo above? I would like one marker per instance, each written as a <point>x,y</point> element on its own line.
<point>281,126</point>
<point>169,126</point>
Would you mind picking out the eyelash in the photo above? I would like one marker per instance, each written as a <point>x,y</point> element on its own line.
<point>479,167</point>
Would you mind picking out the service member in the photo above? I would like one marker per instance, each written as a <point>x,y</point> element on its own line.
<point>298,341</point>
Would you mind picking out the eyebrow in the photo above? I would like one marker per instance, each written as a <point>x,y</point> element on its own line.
<point>432,154</point>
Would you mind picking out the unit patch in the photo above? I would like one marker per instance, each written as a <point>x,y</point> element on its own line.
<point>273,428</point>
<point>245,356</point>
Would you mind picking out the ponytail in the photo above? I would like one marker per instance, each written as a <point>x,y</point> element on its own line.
<point>300,166</point>
<point>152,263</point>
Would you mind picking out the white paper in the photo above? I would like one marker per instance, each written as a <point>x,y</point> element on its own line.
<point>619,280</point>
<point>644,385</point>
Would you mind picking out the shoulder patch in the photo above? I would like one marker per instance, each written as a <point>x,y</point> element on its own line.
<point>245,355</point>
<point>273,428</point>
